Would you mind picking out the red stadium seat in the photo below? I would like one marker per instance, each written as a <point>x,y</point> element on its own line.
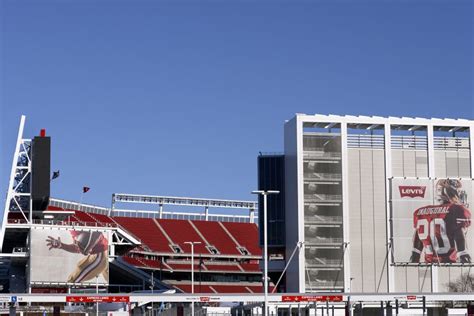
<point>217,237</point>
<point>246,234</point>
<point>147,231</point>
<point>180,231</point>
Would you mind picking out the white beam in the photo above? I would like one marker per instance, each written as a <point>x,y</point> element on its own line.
<point>388,205</point>
<point>183,201</point>
<point>11,192</point>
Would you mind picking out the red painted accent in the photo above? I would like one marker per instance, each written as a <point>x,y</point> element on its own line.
<point>312,298</point>
<point>98,299</point>
<point>48,290</point>
<point>43,132</point>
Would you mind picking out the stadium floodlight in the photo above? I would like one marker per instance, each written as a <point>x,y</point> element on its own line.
<point>192,243</point>
<point>265,193</point>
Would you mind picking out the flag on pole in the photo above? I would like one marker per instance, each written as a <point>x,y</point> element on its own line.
<point>55,175</point>
<point>85,189</point>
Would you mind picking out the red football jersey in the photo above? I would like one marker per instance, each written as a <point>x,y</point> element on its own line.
<point>89,242</point>
<point>436,226</point>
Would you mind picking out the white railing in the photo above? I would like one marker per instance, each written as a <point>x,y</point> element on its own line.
<point>366,141</point>
<point>323,219</point>
<point>321,240</point>
<point>322,197</point>
<point>313,152</point>
<point>70,205</point>
<point>62,223</point>
<point>181,201</point>
<point>323,176</point>
<point>183,216</point>
<point>324,283</point>
<point>88,208</point>
<point>324,262</point>
<point>409,142</point>
<point>451,143</point>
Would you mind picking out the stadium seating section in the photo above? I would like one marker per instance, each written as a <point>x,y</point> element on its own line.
<point>159,234</point>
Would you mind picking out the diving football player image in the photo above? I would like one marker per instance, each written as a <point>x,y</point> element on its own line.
<point>94,246</point>
<point>440,229</point>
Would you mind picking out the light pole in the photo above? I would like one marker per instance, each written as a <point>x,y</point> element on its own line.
<point>152,286</point>
<point>192,243</point>
<point>97,292</point>
<point>265,193</point>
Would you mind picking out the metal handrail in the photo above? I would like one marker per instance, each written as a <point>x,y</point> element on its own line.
<point>61,223</point>
<point>323,219</point>
<point>324,262</point>
<point>325,283</point>
<point>451,143</point>
<point>409,142</point>
<point>333,240</point>
<point>366,141</point>
<point>323,176</point>
<point>320,153</point>
<point>323,197</point>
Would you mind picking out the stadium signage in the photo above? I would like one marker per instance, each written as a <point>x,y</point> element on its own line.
<point>412,191</point>
<point>97,299</point>
<point>311,298</point>
<point>6,299</point>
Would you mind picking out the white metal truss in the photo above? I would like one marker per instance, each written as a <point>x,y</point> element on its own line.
<point>251,206</point>
<point>18,194</point>
<point>183,201</point>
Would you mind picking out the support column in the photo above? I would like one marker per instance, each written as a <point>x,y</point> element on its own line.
<point>251,215</point>
<point>345,208</point>
<point>161,211</point>
<point>388,176</point>
<point>112,207</point>
<point>12,310</point>
<point>206,213</point>
<point>471,145</point>
<point>432,175</point>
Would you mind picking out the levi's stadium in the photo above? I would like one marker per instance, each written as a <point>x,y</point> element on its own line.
<point>358,215</point>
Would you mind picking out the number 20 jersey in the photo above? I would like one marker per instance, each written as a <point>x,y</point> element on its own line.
<point>436,226</point>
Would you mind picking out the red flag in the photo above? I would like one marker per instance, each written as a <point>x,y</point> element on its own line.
<point>85,189</point>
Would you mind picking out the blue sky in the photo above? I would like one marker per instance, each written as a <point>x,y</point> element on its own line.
<point>178,98</point>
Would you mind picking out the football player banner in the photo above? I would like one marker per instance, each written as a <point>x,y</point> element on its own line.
<point>69,256</point>
<point>431,220</point>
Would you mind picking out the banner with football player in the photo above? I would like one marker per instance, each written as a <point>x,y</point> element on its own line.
<point>69,256</point>
<point>431,220</point>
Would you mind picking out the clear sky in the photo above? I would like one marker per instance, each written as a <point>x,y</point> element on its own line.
<point>178,97</point>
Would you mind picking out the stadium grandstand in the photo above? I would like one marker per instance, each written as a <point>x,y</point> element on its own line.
<point>225,261</point>
<point>145,250</point>
<point>165,255</point>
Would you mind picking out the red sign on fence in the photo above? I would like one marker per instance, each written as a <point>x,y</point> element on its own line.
<point>312,298</point>
<point>97,299</point>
